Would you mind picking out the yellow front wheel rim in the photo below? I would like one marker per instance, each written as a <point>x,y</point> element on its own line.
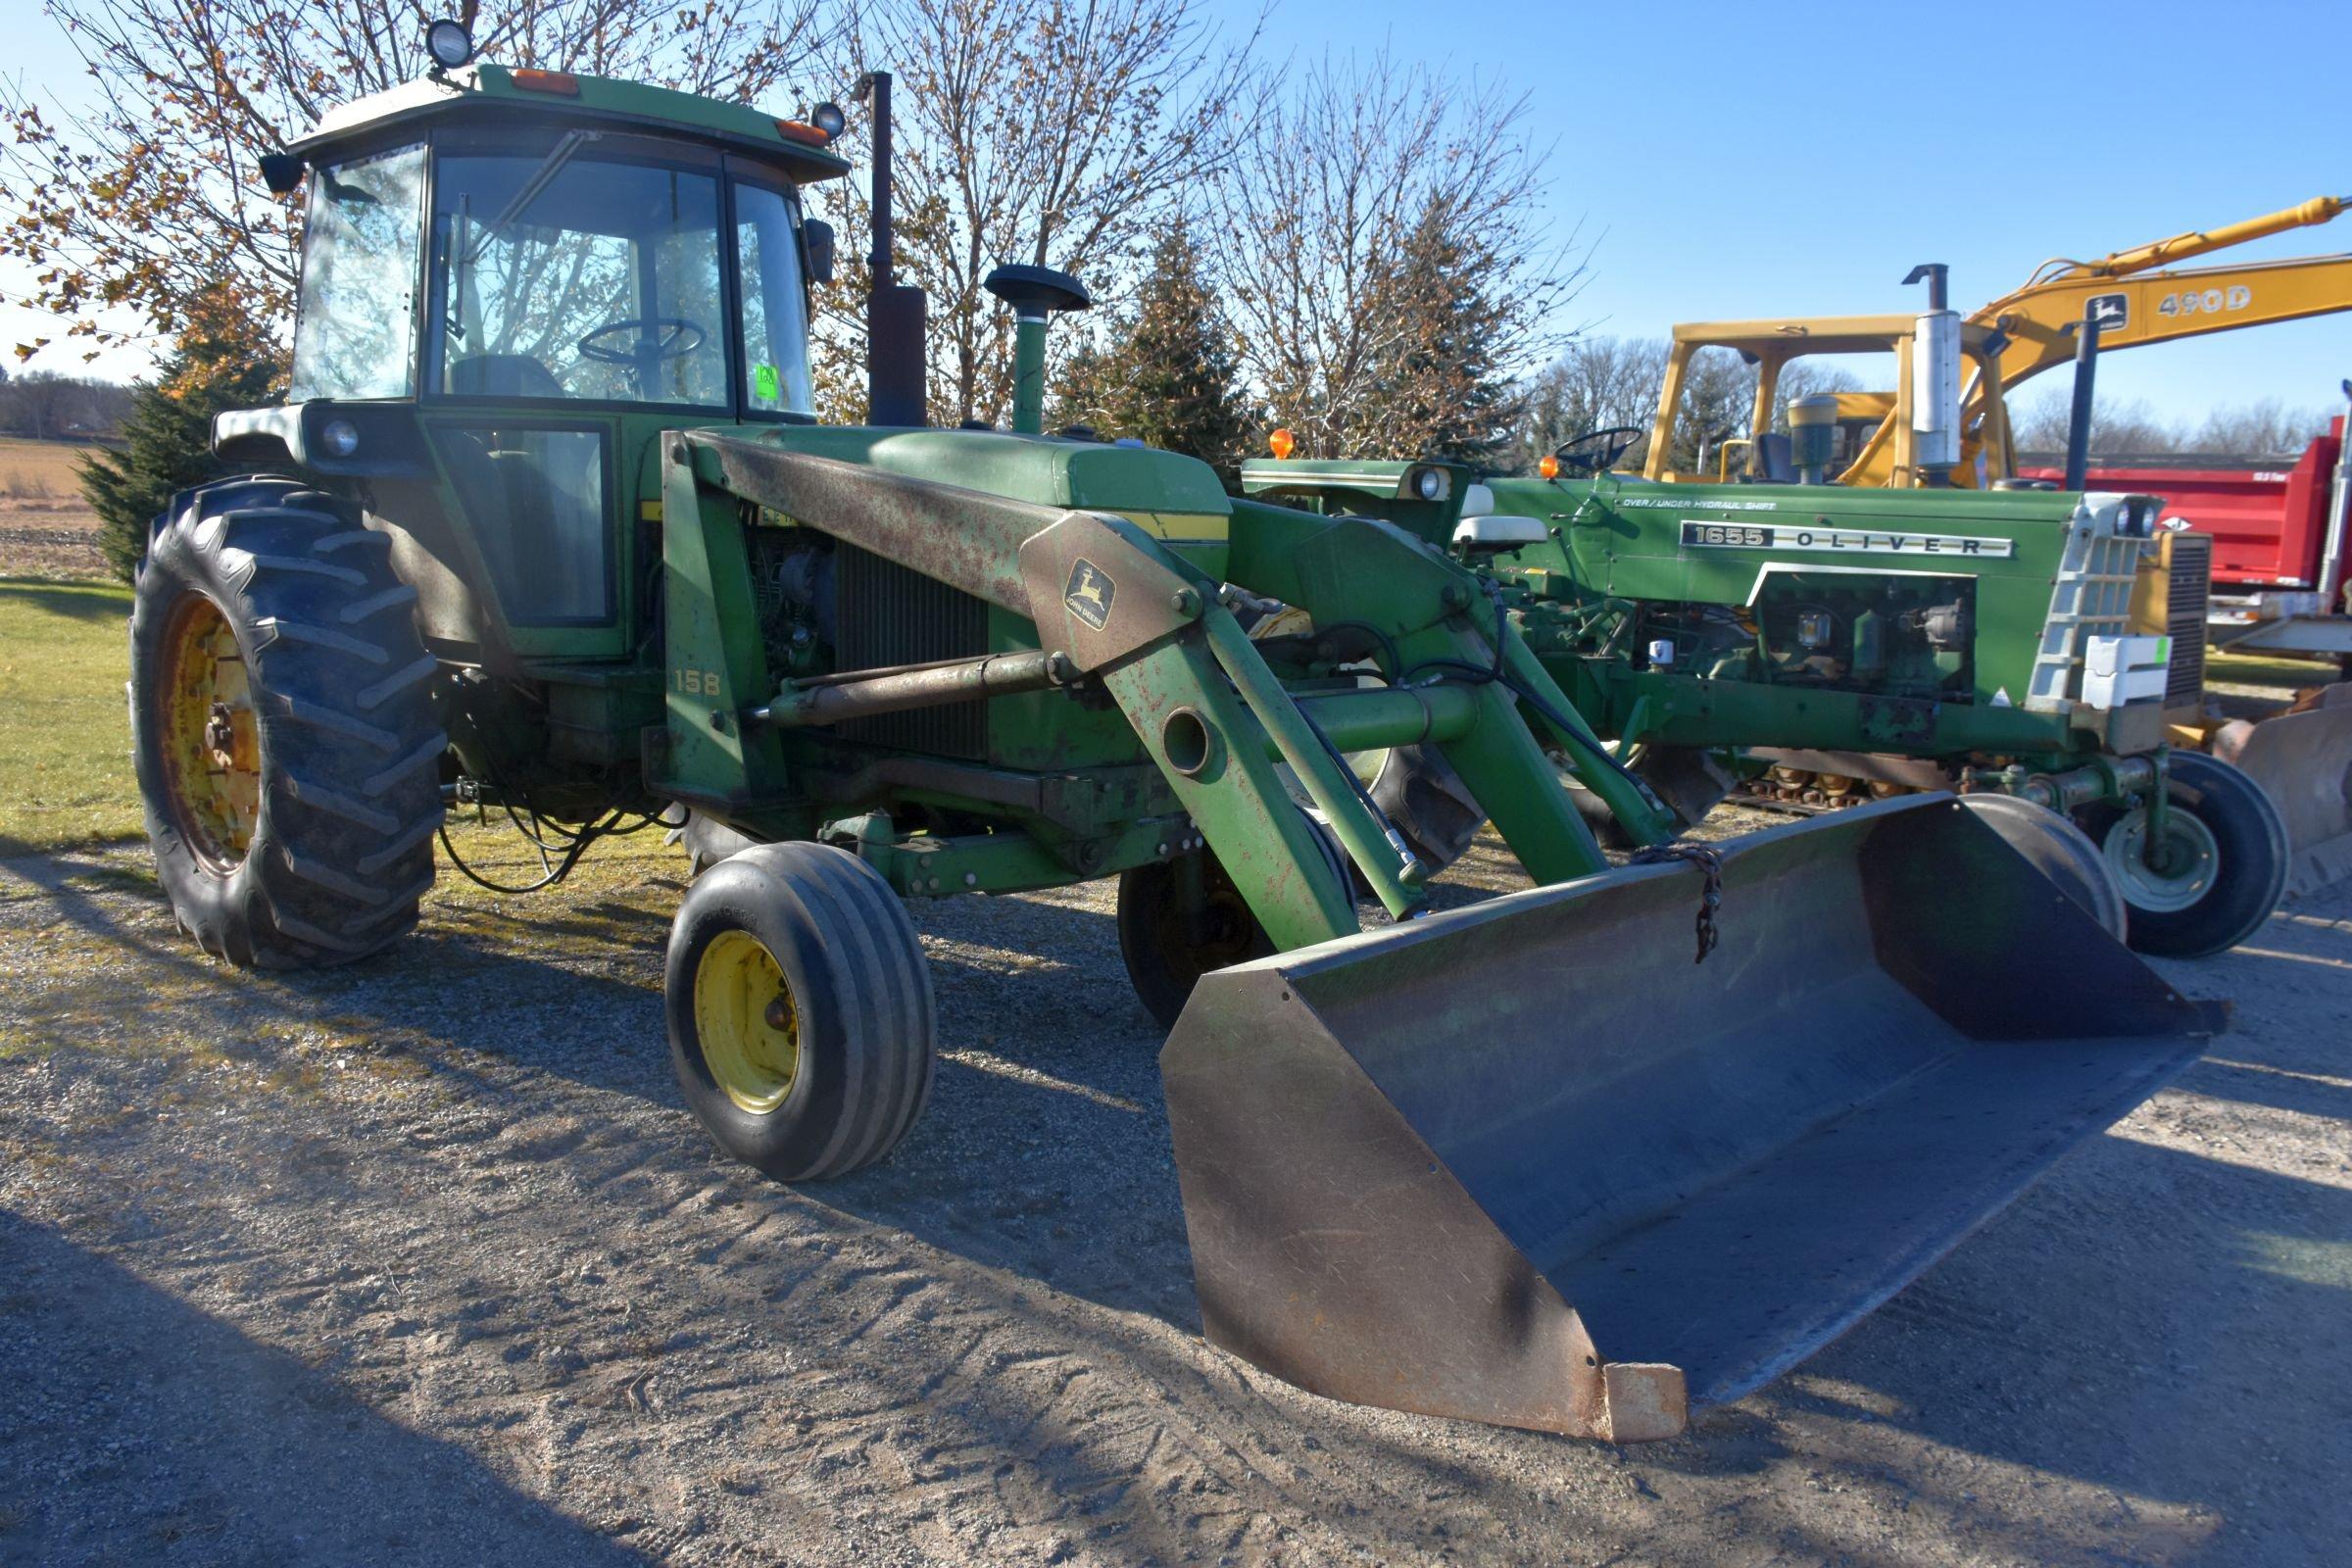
<point>211,736</point>
<point>744,1018</point>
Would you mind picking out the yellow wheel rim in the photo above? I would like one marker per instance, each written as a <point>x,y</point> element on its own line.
<point>746,1022</point>
<point>211,737</point>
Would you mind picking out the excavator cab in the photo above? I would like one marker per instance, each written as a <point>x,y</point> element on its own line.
<point>1862,419</point>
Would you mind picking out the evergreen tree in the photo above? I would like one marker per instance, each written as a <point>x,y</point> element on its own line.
<point>167,440</point>
<point>1441,391</point>
<point>1170,373</point>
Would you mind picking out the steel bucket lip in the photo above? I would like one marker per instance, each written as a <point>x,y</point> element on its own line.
<point>1855,822</point>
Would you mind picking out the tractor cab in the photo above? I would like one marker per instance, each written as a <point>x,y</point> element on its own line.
<point>512,282</point>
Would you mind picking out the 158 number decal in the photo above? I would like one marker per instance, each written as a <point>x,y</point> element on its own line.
<point>696,682</point>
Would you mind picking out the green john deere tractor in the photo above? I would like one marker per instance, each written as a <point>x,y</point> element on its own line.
<point>1827,646</point>
<point>553,530</point>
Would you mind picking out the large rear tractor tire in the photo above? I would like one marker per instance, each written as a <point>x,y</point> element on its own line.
<point>2225,861</point>
<point>801,1022</point>
<point>1426,801</point>
<point>1173,930</point>
<point>282,726</point>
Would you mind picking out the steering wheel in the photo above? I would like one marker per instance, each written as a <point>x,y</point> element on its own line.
<point>658,338</point>
<point>1598,451</point>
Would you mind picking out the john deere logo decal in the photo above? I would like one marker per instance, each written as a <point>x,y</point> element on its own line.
<point>1089,593</point>
<point>2113,312</point>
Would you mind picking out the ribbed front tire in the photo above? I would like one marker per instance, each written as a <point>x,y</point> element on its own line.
<point>800,1021</point>
<point>282,726</point>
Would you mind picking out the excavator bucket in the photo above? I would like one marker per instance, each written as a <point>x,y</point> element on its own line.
<point>2303,761</point>
<point>1524,1163</point>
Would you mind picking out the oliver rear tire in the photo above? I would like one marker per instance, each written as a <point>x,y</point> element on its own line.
<point>2226,867</point>
<point>282,726</point>
<point>801,1023</point>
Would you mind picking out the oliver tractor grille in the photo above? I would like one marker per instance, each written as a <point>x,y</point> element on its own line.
<point>2188,564</point>
<point>890,615</point>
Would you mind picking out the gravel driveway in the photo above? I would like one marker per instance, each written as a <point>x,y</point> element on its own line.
<point>423,1262</point>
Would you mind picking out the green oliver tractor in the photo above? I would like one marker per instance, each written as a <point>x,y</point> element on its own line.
<point>553,530</point>
<point>1830,646</point>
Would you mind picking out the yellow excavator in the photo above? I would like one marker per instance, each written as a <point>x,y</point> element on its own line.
<point>2139,298</point>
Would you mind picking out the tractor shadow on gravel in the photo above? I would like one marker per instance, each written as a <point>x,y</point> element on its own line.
<point>207,1442</point>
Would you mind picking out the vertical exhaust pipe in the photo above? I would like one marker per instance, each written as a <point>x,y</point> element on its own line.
<point>895,316</point>
<point>1935,379</point>
<point>2077,425</point>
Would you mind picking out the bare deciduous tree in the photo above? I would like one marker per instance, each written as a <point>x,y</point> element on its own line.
<point>1063,133</point>
<point>147,198</point>
<point>2040,427</point>
<point>1599,382</point>
<point>1335,181</point>
<point>2266,427</point>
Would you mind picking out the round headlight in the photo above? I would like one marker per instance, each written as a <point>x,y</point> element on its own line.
<point>449,43</point>
<point>340,437</point>
<point>1429,484</point>
<point>828,118</point>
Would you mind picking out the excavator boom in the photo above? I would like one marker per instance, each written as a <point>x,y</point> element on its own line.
<point>2137,307</point>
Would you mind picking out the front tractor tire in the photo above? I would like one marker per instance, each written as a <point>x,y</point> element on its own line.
<point>2220,874</point>
<point>282,726</point>
<point>800,1021</point>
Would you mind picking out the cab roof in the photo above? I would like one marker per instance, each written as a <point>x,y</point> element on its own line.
<point>486,92</point>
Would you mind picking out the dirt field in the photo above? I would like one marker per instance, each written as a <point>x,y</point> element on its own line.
<point>46,530</point>
<point>420,1261</point>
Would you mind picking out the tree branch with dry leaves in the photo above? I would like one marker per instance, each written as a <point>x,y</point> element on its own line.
<point>1055,132</point>
<point>145,198</point>
<point>1373,194</point>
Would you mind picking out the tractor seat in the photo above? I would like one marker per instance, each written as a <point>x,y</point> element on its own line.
<point>503,375</point>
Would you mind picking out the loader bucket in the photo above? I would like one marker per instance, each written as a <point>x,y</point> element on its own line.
<point>2303,761</point>
<point>1525,1163</point>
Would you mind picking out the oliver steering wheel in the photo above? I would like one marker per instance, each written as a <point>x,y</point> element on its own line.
<point>1598,451</point>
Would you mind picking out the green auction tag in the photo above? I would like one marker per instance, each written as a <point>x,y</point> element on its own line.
<point>765,383</point>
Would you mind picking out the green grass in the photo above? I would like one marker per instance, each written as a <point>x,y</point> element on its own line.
<point>64,734</point>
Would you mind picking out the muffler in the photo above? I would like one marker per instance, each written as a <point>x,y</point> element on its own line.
<point>1524,1163</point>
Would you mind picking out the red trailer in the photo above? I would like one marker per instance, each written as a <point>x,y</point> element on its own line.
<point>2278,525</point>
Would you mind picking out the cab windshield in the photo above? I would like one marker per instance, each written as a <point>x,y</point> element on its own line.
<point>567,274</point>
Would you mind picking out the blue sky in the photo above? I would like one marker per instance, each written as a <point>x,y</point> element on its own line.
<point>1752,159</point>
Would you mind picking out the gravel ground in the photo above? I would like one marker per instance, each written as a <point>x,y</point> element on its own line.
<point>421,1263</point>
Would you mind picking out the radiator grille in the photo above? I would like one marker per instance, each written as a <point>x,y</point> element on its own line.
<point>2188,568</point>
<point>890,615</point>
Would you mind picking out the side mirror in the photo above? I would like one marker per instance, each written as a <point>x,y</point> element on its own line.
<point>817,235</point>
<point>280,171</point>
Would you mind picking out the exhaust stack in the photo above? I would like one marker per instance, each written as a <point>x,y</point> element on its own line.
<point>896,316</point>
<point>1935,379</point>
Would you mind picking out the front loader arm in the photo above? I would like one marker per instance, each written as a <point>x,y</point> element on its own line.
<point>1116,606</point>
